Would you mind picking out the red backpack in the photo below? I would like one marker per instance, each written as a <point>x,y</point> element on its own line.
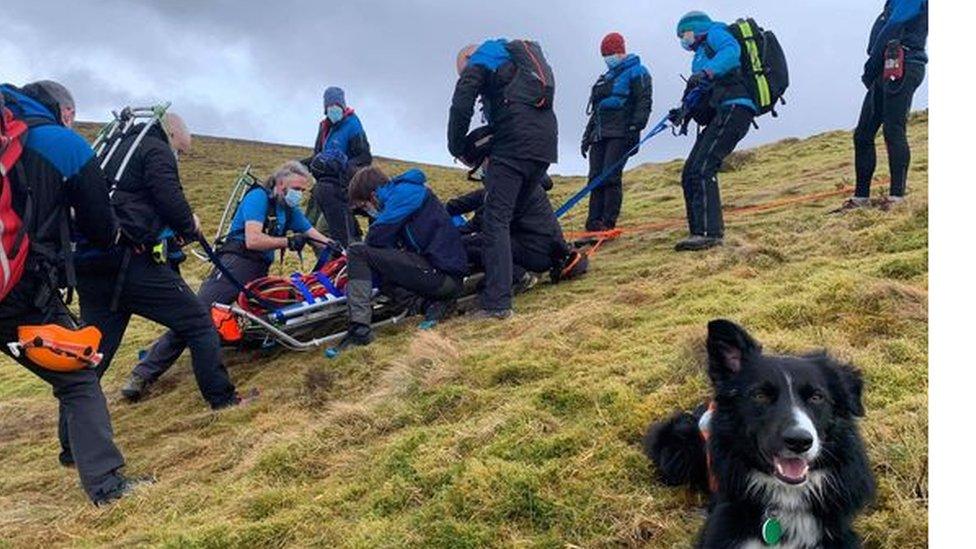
<point>14,241</point>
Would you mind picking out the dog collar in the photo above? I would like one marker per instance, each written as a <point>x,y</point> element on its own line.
<point>771,530</point>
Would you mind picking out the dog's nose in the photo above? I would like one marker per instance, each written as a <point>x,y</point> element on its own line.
<point>798,440</point>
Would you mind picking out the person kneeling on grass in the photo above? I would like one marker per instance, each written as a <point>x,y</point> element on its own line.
<point>411,245</point>
<point>266,214</point>
<point>538,244</point>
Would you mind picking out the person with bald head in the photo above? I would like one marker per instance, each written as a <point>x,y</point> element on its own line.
<point>523,145</point>
<point>141,275</point>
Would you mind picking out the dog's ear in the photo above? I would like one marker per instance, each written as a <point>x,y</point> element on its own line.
<point>729,348</point>
<point>847,384</point>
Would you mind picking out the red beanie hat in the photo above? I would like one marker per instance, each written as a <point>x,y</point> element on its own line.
<point>612,43</point>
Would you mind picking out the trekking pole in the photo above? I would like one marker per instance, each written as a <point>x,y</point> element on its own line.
<point>219,265</point>
<point>243,180</point>
<point>600,179</point>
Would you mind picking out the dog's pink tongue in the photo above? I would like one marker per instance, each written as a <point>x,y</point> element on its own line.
<point>791,468</point>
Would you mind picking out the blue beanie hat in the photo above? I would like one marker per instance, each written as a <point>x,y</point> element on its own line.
<point>334,96</point>
<point>695,21</point>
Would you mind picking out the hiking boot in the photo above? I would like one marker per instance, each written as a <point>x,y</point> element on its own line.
<point>888,203</point>
<point>573,266</point>
<point>127,487</point>
<point>596,226</point>
<point>240,400</point>
<point>696,243</point>
<point>440,310</point>
<point>526,283</point>
<point>492,314</point>
<point>852,203</point>
<point>358,335</point>
<point>135,388</point>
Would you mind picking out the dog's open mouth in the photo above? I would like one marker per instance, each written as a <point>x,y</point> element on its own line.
<point>792,470</point>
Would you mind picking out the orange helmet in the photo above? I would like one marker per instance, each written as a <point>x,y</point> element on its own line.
<point>60,349</point>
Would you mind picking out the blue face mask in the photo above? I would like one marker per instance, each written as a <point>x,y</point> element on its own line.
<point>293,198</point>
<point>371,211</point>
<point>335,113</point>
<point>688,43</point>
<point>611,60</point>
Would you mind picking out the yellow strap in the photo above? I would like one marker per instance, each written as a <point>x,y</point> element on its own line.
<point>762,84</point>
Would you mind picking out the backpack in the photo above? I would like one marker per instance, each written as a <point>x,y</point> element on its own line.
<point>14,240</point>
<point>533,83</point>
<point>764,68</point>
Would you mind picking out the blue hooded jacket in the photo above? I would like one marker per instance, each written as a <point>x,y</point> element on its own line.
<point>412,217</point>
<point>719,55</point>
<point>905,20</point>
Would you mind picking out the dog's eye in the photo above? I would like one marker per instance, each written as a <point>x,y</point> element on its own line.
<point>815,397</point>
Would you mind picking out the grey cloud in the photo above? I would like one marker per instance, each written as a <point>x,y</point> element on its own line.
<point>256,69</point>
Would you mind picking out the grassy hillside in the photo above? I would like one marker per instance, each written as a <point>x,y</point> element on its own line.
<point>518,433</point>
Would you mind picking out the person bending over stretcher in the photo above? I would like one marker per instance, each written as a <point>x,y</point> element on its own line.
<point>265,215</point>
<point>411,245</point>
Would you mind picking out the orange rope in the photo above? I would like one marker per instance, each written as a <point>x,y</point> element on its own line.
<point>604,236</point>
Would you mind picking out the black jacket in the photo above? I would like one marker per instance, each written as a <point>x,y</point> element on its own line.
<point>520,131</point>
<point>149,197</point>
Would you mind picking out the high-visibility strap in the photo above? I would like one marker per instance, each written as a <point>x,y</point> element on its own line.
<point>758,71</point>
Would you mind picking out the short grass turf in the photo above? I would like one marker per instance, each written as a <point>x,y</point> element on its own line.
<point>518,433</point>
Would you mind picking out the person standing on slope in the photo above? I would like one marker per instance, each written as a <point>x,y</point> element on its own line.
<point>340,130</point>
<point>716,69</point>
<point>619,106</point>
<point>133,279</point>
<point>894,70</point>
<point>265,216</point>
<point>515,84</point>
<point>57,175</point>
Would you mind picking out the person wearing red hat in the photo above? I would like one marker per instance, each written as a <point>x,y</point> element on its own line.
<point>619,106</point>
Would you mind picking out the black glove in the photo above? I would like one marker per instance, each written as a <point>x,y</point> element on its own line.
<point>676,116</point>
<point>585,148</point>
<point>296,242</point>
<point>871,71</point>
<point>697,79</point>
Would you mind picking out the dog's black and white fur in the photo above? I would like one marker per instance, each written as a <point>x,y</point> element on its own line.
<point>784,443</point>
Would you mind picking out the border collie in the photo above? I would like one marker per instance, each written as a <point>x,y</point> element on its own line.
<point>778,447</point>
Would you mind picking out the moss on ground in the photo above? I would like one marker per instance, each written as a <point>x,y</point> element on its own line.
<point>518,433</point>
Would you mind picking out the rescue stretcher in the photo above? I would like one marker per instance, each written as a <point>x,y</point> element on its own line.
<point>305,311</point>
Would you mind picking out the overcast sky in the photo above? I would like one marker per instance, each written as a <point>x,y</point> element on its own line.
<point>256,69</point>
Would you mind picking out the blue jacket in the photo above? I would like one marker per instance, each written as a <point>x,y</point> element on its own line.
<point>347,136</point>
<point>620,102</point>
<point>905,20</point>
<point>719,56</point>
<point>412,217</point>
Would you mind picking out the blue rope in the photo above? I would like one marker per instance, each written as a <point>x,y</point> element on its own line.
<point>601,179</point>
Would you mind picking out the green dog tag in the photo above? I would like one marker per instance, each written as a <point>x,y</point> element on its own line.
<point>772,531</point>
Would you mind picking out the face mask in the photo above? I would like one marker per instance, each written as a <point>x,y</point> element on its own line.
<point>688,42</point>
<point>611,60</point>
<point>176,154</point>
<point>335,113</point>
<point>293,197</point>
<point>371,211</point>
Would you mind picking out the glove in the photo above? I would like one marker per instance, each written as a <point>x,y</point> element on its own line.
<point>871,71</point>
<point>296,242</point>
<point>697,79</point>
<point>676,116</point>
<point>585,148</point>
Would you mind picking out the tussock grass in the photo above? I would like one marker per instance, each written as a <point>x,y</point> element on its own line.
<point>518,433</point>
